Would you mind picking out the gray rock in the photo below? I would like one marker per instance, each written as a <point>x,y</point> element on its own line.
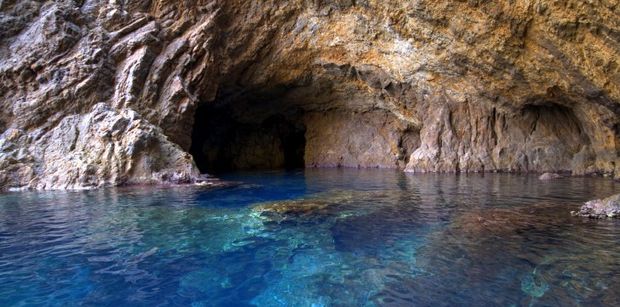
<point>549,176</point>
<point>601,208</point>
<point>101,148</point>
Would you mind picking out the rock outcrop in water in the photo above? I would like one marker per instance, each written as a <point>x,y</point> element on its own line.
<point>549,176</point>
<point>601,208</point>
<point>97,93</point>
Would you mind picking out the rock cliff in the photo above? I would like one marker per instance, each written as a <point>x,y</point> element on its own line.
<point>96,93</point>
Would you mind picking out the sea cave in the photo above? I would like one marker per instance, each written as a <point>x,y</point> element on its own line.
<point>309,153</point>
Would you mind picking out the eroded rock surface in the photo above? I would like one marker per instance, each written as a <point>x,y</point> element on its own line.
<point>102,147</point>
<point>422,85</point>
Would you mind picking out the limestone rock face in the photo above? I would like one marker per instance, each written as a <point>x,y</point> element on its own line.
<point>96,93</point>
<point>102,147</point>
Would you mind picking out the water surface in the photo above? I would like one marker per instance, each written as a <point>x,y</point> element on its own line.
<point>314,238</point>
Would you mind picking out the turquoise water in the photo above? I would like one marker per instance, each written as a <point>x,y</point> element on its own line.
<point>314,238</point>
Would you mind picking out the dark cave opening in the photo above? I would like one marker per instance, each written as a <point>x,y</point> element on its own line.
<point>226,139</point>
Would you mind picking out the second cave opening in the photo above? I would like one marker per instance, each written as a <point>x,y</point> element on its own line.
<point>228,139</point>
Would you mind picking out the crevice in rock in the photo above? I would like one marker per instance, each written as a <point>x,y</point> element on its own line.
<point>408,142</point>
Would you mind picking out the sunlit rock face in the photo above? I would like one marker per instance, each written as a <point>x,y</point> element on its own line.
<point>445,86</point>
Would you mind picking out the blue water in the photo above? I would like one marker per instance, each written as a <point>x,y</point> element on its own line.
<point>314,238</point>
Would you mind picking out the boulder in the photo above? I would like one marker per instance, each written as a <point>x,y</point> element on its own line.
<point>601,208</point>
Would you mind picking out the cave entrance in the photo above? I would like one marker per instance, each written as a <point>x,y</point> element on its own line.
<point>227,138</point>
<point>554,138</point>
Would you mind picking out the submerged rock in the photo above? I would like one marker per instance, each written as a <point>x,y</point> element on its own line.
<point>549,176</point>
<point>333,204</point>
<point>601,208</point>
<point>478,244</point>
<point>534,285</point>
<point>294,208</point>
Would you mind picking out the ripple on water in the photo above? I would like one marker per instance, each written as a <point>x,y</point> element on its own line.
<point>314,238</point>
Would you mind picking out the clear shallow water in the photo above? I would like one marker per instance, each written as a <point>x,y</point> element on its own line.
<point>314,238</point>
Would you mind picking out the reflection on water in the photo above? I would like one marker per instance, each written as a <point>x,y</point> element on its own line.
<point>314,238</point>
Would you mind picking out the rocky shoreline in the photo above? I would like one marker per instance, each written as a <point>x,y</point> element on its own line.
<point>108,93</point>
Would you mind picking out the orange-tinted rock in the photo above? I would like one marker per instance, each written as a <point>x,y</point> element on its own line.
<point>426,85</point>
